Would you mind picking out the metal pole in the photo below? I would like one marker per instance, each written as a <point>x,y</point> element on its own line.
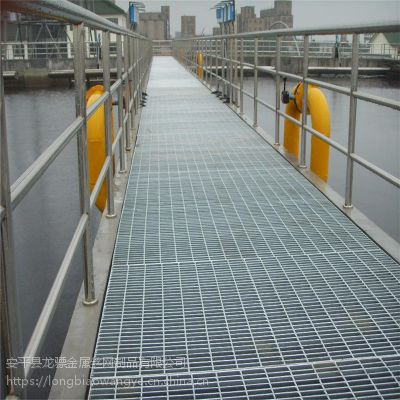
<point>241,76</point>
<point>80,105</point>
<point>132,84</point>
<point>235,56</point>
<point>136,72</point>
<point>122,162</point>
<point>277,89</point>
<point>11,336</point>
<point>216,80</point>
<point>348,203</point>
<point>107,121</point>
<point>230,70</point>
<point>255,104</point>
<point>303,136</point>
<point>127,95</point>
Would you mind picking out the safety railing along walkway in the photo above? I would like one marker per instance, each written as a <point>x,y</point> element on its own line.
<point>233,277</point>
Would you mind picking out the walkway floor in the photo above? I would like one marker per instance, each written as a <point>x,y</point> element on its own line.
<point>234,277</point>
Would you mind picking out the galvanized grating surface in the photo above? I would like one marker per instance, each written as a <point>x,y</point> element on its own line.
<point>234,274</point>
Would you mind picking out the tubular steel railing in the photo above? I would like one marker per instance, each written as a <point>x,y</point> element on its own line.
<point>133,61</point>
<point>223,68</point>
<point>23,50</point>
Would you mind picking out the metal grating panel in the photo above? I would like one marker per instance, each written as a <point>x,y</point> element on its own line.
<point>233,277</point>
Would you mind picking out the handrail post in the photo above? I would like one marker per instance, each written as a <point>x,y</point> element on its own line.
<point>230,70</point>
<point>122,161</point>
<point>127,95</point>
<point>348,203</point>
<point>132,85</point>
<point>80,105</point>
<point>136,71</point>
<point>107,122</point>
<point>11,346</point>
<point>255,103</point>
<point>235,66</point>
<point>277,88</point>
<point>241,76</point>
<point>303,135</point>
<point>216,80</point>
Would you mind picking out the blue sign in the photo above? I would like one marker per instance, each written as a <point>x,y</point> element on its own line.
<point>219,15</point>
<point>226,12</point>
<point>133,14</point>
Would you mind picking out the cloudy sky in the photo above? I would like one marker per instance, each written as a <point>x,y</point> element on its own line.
<point>307,13</point>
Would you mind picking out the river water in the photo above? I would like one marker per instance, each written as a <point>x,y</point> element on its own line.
<point>45,221</point>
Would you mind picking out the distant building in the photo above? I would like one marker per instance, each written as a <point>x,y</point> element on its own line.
<point>274,18</point>
<point>387,44</point>
<point>178,35</point>
<point>188,26</point>
<point>281,14</point>
<point>216,31</point>
<point>155,25</point>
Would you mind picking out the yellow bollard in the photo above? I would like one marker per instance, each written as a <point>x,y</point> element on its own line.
<point>97,143</point>
<point>318,107</point>
<point>199,61</point>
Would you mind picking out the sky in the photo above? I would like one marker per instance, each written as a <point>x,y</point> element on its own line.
<point>306,13</point>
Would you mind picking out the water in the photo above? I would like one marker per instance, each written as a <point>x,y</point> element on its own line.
<point>377,140</point>
<point>45,221</point>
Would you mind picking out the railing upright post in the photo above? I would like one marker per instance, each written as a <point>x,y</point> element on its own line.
<point>107,121</point>
<point>11,346</point>
<point>127,95</point>
<point>235,67</point>
<point>241,76</point>
<point>277,88</point>
<point>80,105</point>
<point>348,203</point>
<point>303,135</point>
<point>231,70</point>
<point>121,142</point>
<point>132,85</point>
<point>216,44</point>
<point>136,72</point>
<point>255,104</point>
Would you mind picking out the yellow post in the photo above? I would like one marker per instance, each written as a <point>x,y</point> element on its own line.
<point>199,61</point>
<point>96,143</point>
<point>317,106</point>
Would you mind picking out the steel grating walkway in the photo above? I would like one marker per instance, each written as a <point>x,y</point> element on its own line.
<point>233,277</point>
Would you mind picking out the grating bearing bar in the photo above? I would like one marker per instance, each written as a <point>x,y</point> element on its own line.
<point>233,277</point>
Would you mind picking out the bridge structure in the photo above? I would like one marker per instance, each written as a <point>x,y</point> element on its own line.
<point>226,270</point>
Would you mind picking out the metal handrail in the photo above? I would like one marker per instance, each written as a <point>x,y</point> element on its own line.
<point>133,62</point>
<point>224,53</point>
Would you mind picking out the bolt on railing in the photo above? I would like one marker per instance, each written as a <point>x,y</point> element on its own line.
<point>132,75</point>
<point>220,58</point>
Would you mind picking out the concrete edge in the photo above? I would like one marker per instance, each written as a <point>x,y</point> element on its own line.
<point>79,344</point>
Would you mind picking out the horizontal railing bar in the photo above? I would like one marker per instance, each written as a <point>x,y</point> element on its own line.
<point>391,26</point>
<point>115,85</point>
<point>378,100</point>
<point>99,182</point>
<point>114,145</point>
<point>329,86</point>
<point>265,104</point>
<point>376,170</point>
<point>66,11</point>
<point>97,104</point>
<point>326,139</point>
<point>290,118</point>
<point>25,182</point>
<point>42,325</point>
